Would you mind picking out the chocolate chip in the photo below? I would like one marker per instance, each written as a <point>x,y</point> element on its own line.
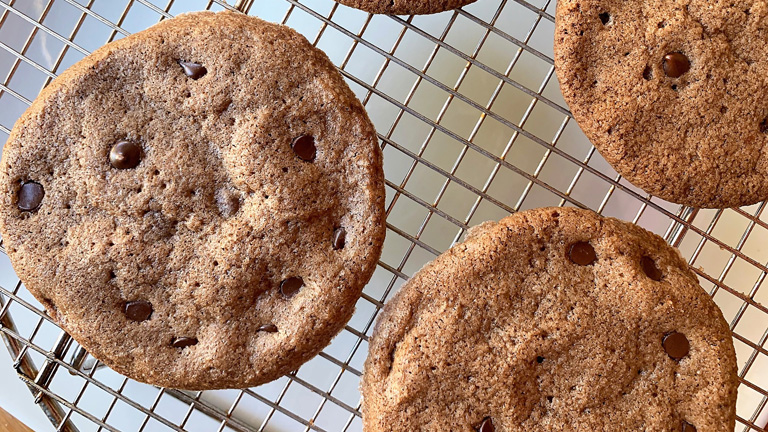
<point>291,286</point>
<point>605,18</point>
<point>269,328</point>
<point>339,238</point>
<point>676,345</point>
<point>486,425</point>
<point>687,427</point>
<point>183,342</point>
<point>193,70</point>
<point>582,253</point>
<point>30,196</point>
<point>138,310</point>
<point>650,269</point>
<point>125,155</point>
<point>304,147</point>
<point>676,64</point>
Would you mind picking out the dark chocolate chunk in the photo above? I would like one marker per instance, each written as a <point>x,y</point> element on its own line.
<point>193,70</point>
<point>486,425</point>
<point>687,427</point>
<point>339,238</point>
<point>304,147</point>
<point>183,342</point>
<point>582,253</point>
<point>125,155</point>
<point>138,310</point>
<point>650,269</point>
<point>676,64</point>
<point>676,345</point>
<point>291,286</point>
<point>269,328</point>
<point>30,196</point>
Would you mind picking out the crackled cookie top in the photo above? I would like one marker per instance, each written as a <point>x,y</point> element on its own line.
<point>674,94</point>
<point>198,204</point>
<point>405,7</point>
<point>552,320</point>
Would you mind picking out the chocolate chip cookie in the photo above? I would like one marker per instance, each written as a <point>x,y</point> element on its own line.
<point>674,94</point>
<point>199,204</point>
<point>405,7</point>
<point>552,319</point>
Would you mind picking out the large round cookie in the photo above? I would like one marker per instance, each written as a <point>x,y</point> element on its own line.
<point>200,204</point>
<point>674,94</point>
<point>405,7</point>
<point>552,320</point>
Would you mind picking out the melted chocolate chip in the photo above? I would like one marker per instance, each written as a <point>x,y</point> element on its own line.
<point>183,342</point>
<point>138,310</point>
<point>687,427</point>
<point>676,64</point>
<point>486,425</point>
<point>676,345</point>
<point>582,253</point>
<point>304,147</point>
<point>269,328</point>
<point>339,238</point>
<point>30,196</point>
<point>291,286</point>
<point>650,269</point>
<point>193,70</point>
<point>125,155</point>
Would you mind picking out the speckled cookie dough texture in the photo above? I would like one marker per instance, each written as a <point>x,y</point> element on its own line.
<point>552,319</point>
<point>199,205</point>
<point>405,7</point>
<point>674,94</point>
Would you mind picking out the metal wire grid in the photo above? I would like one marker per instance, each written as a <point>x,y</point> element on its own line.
<point>468,136</point>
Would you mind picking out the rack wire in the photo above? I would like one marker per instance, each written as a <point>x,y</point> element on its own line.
<point>473,127</point>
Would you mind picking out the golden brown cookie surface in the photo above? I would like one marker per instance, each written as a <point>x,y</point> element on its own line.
<point>199,204</point>
<point>672,93</point>
<point>551,320</point>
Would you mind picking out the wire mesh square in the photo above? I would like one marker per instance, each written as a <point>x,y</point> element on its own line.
<point>473,127</point>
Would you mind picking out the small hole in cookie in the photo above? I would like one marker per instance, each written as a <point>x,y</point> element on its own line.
<point>550,399</point>
<point>112,274</point>
<point>650,269</point>
<point>605,18</point>
<point>723,109</point>
<point>540,359</point>
<point>662,24</point>
<point>285,169</point>
<point>674,87</point>
<point>269,328</point>
<point>647,73</point>
<point>156,172</point>
<point>183,342</point>
<point>764,126</point>
<point>215,263</point>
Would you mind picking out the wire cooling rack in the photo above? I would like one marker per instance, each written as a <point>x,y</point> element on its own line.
<point>473,127</point>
